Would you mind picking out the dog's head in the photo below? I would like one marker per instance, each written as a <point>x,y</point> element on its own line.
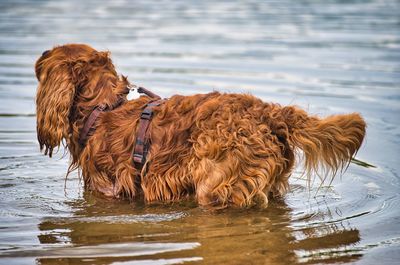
<point>73,79</point>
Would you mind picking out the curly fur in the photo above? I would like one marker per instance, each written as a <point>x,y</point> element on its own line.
<point>225,149</point>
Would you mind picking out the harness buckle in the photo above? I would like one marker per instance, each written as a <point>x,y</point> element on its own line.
<point>138,158</point>
<point>102,107</point>
<point>146,114</point>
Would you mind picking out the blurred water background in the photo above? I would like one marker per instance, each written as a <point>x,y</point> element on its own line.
<point>327,56</point>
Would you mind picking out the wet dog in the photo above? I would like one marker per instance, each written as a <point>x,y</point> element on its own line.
<point>224,149</point>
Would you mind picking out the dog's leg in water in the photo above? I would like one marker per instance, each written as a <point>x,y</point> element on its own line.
<point>222,184</point>
<point>239,164</point>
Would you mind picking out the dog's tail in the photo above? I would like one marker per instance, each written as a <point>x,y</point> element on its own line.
<point>328,143</point>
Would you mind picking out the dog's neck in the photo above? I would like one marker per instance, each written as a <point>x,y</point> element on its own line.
<point>88,126</point>
<point>108,92</point>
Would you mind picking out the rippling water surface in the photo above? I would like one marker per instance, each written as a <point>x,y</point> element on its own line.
<point>326,56</point>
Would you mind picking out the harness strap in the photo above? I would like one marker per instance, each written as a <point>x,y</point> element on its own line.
<point>83,136</point>
<point>89,123</point>
<point>142,143</point>
<point>143,90</point>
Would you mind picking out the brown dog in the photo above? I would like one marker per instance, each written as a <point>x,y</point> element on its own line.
<point>225,149</point>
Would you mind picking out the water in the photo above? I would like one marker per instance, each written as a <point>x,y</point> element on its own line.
<point>326,56</point>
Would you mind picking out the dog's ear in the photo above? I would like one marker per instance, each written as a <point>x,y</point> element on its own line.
<point>54,98</point>
<point>92,71</point>
<point>100,59</point>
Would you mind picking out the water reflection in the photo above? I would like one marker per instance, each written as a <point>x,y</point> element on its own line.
<point>103,232</point>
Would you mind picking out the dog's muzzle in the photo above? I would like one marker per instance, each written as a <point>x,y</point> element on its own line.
<point>45,52</point>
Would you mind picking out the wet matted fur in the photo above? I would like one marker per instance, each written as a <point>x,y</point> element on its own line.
<point>224,149</point>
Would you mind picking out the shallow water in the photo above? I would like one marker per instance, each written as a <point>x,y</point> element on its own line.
<point>326,56</point>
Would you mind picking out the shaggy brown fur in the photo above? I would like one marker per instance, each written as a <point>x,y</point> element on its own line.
<point>225,149</point>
